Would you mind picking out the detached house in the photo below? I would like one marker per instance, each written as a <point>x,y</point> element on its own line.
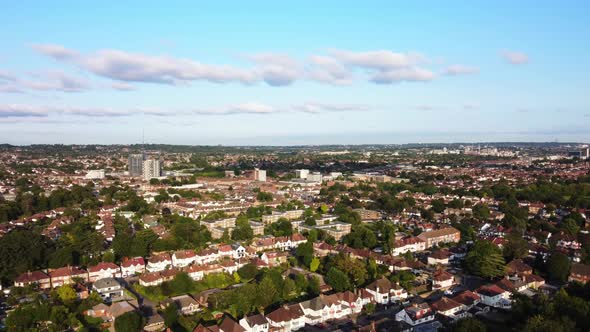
<point>494,296</point>
<point>185,304</point>
<point>415,315</point>
<point>385,291</point>
<point>442,279</point>
<point>449,308</point>
<point>108,289</point>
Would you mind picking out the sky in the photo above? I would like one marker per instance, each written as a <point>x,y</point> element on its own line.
<point>303,72</point>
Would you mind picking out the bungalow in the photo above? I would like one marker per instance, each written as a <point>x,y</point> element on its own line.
<point>150,279</point>
<point>196,272</point>
<point>442,279</point>
<point>415,315</point>
<point>494,296</point>
<point>255,323</point>
<point>385,291</point>
<point>287,318</point>
<point>185,304</point>
<point>132,266</point>
<point>67,275</point>
<point>183,258</point>
<point>273,258</point>
<point>159,262</point>
<point>38,278</point>
<point>103,270</point>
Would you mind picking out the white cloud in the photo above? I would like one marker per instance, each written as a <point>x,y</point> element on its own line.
<point>28,111</point>
<point>409,74</point>
<point>337,68</point>
<point>327,69</point>
<point>57,52</point>
<point>315,107</point>
<point>514,57</point>
<point>122,86</point>
<point>56,81</point>
<point>22,111</point>
<point>455,70</point>
<point>6,76</point>
<point>380,60</point>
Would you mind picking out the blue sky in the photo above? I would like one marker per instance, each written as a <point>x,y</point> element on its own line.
<point>306,73</point>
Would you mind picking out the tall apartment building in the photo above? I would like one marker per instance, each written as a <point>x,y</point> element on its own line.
<point>301,173</point>
<point>314,177</point>
<point>152,168</point>
<point>136,164</point>
<point>259,175</point>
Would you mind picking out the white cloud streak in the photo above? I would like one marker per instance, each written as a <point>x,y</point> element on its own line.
<point>16,111</point>
<point>455,70</point>
<point>514,57</point>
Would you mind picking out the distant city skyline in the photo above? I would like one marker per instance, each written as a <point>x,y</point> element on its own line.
<point>375,72</point>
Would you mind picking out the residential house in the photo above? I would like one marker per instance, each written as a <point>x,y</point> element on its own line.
<point>415,314</point>
<point>442,279</point>
<point>385,291</point>
<point>287,318</point>
<point>38,278</point>
<point>132,266</point>
<point>494,296</point>
<point>255,323</point>
<point>108,289</point>
<point>579,272</point>
<point>182,258</point>
<point>150,279</point>
<point>449,308</point>
<point>185,304</point>
<point>439,257</point>
<point>411,244</point>
<point>103,270</point>
<point>159,262</point>
<point>67,275</point>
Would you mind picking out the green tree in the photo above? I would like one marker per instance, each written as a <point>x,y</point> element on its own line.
<point>484,259</point>
<point>338,280</point>
<point>66,294</point>
<point>130,321</point>
<point>468,325</point>
<point>315,263</point>
<point>558,267</point>
<point>304,253</point>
